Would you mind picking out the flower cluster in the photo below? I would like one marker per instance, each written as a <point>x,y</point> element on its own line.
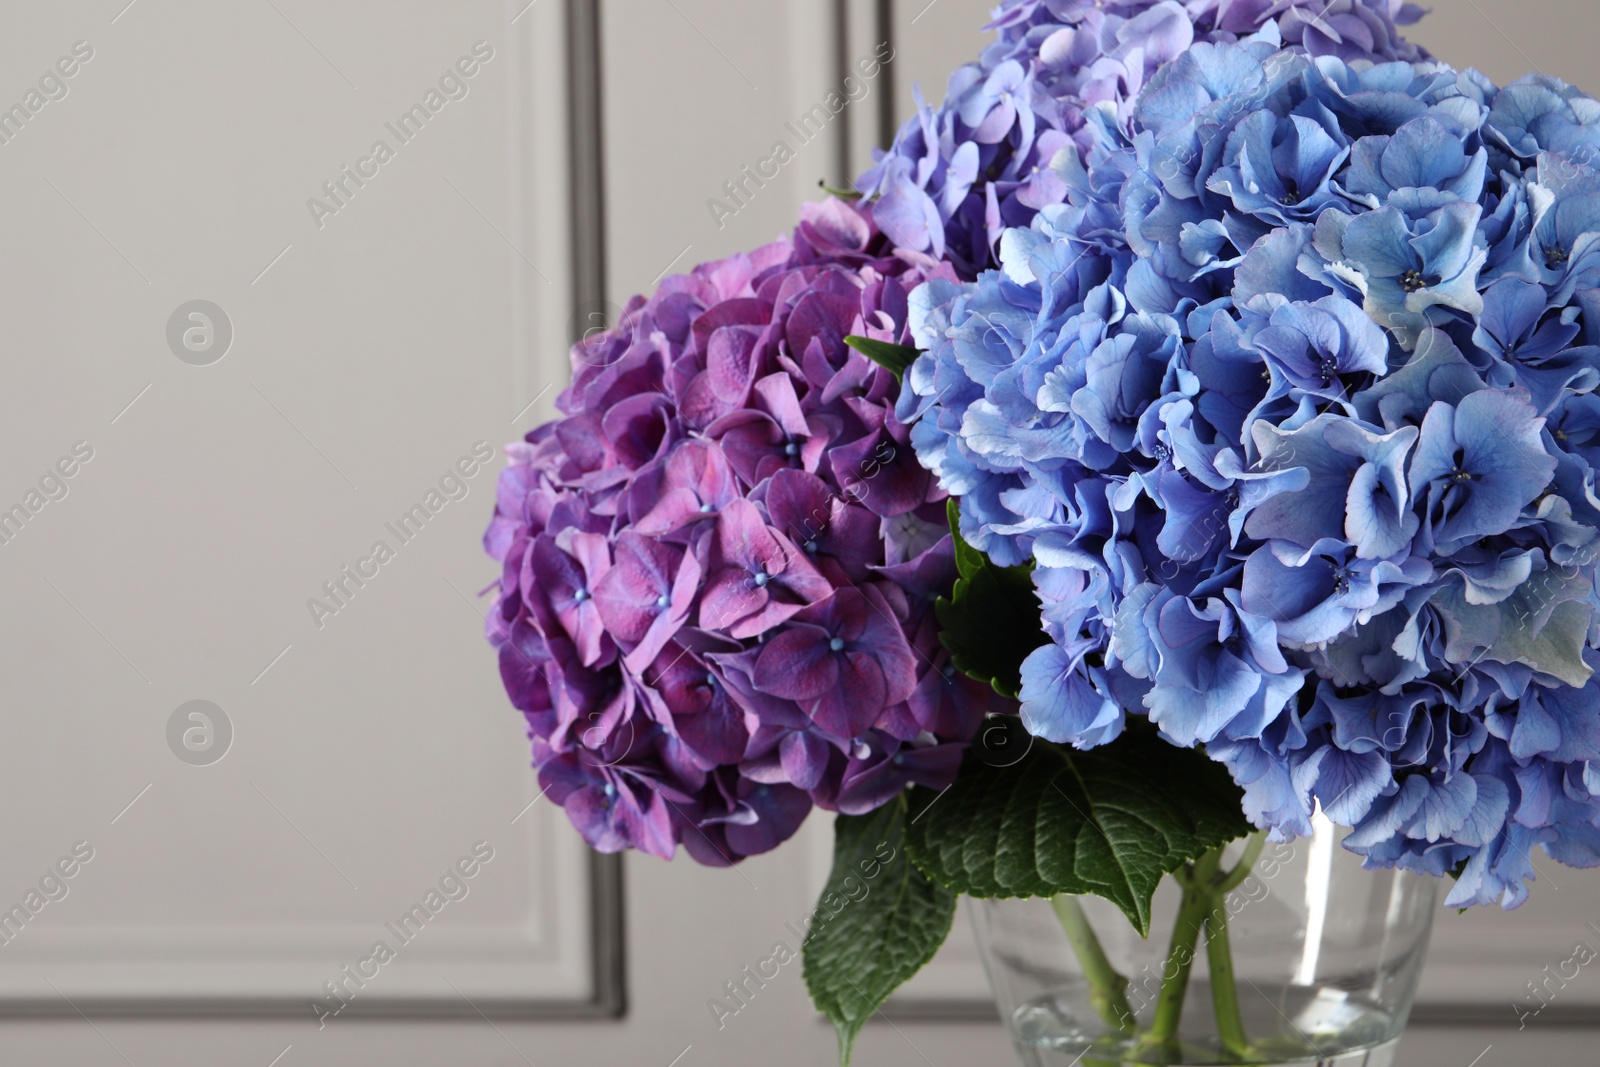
<point>992,154</point>
<point>719,566</point>
<point>1290,404</point>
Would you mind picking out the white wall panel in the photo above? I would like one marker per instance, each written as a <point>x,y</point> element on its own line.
<point>373,344</point>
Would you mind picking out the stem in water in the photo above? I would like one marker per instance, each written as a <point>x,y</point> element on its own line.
<point>1107,988</point>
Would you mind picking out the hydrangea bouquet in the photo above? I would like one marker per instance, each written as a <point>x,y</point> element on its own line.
<point>1189,431</point>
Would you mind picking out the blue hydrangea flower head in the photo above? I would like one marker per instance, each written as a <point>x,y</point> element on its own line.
<point>1000,148</point>
<point>1290,402</point>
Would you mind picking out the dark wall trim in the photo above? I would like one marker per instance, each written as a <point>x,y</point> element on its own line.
<point>888,108</point>
<point>609,943</point>
<point>587,193</point>
<point>586,162</point>
<point>1500,1015</point>
<point>844,127</point>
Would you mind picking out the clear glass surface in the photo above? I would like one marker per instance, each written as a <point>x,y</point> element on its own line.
<point>1325,960</point>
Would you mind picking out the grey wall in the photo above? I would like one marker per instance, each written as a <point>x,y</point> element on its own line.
<point>408,326</point>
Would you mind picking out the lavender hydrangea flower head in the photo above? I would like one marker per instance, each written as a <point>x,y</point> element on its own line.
<point>719,565</point>
<point>1004,143</point>
<point>1290,404</point>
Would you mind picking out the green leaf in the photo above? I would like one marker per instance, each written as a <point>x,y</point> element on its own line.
<point>879,920</point>
<point>969,561</point>
<point>842,194</point>
<point>896,358</point>
<point>990,621</point>
<point>1110,821</point>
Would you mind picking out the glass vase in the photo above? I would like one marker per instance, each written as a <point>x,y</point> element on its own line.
<point>1259,953</point>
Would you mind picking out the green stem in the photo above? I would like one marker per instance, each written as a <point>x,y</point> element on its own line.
<point>1247,863</point>
<point>1224,986</point>
<point>1107,988</point>
<point>1219,951</point>
<point>1196,881</point>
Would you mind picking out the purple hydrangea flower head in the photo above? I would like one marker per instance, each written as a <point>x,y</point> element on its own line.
<point>719,563</point>
<point>1303,455</point>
